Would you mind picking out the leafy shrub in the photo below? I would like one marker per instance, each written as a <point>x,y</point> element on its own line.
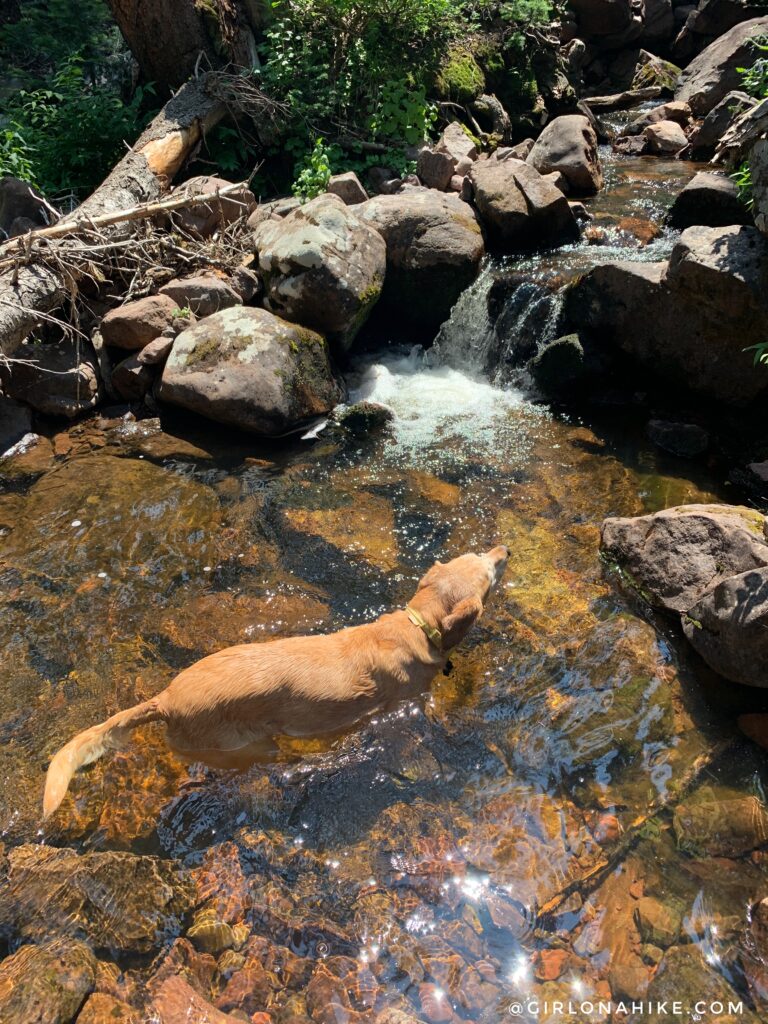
<point>16,156</point>
<point>755,78</point>
<point>315,173</point>
<point>74,133</point>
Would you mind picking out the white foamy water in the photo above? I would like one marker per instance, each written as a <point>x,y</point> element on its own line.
<point>443,414</point>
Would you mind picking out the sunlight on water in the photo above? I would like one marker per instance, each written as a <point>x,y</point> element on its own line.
<point>443,415</point>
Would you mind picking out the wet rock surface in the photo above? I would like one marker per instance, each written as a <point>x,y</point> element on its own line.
<point>568,144</point>
<point>46,983</point>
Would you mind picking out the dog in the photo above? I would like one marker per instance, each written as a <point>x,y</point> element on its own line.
<point>227,709</point>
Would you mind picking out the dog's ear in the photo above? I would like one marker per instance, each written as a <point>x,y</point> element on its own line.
<point>463,617</point>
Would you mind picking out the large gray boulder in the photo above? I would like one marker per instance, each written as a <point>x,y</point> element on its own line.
<point>709,564</point>
<point>687,322</point>
<point>322,267</point>
<point>518,206</point>
<point>249,369</point>
<point>715,72</point>
<point>710,199</point>
<point>676,556</point>
<point>568,144</point>
<point>58,380</point>
<point>434,246</point>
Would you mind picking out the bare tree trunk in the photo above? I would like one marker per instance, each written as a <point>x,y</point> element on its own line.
<point>167,37</point>
<point>28,292</point>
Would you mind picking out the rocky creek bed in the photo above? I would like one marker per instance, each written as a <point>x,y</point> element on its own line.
<point>571,819</point>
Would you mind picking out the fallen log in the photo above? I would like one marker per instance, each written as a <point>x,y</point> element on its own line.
<point>29,292</point>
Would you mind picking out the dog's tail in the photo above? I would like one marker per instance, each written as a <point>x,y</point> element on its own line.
<point>89,745</point>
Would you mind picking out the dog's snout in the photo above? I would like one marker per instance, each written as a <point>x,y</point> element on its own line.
<point>499,553</point>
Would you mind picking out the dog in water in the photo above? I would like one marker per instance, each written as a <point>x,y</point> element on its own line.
<point>226,709</point>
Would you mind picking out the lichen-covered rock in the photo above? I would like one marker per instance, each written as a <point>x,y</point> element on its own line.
<point>116,900</point>
<point>677,555</point>
<point>46,984</point>
<point>434,247</point>
<point>715,72</point>
<point>568,144</point>
<point>249,369</point>
<point>134,324</point>
<point>518,207</point>
<point>58,380</point>
<point>322,267</point>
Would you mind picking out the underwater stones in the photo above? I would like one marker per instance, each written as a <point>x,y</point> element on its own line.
<point>658,923</point>
<point>249,369</point>
<point>47,983</point>
<point>568,144</point>
<point>134,324</point>
<point>686,440</point>
<point>685,977</point>
<point>677,555</point>
<point>60,379</point>
<point>100,1008</point>
<point>322,267</point>
<point>715,72</point>
<point>177,1002</point>
<point>518,207</point>
<point>117,900</point>
<point>721,822</point>
<point>434,245</point>
<point>362,529</point>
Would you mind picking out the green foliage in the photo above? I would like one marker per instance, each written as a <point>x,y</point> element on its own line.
<point>349,67</point>
<point>755,77</point>
<point>74,133</point>
<point>743,179</point>
<point>16,156</point>
<point>315,173</point>
<point>761,353</point>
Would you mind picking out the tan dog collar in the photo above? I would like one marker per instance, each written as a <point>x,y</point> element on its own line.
<point>433,634</point>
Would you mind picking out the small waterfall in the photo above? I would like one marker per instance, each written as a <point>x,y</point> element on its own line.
<point>499,323</point>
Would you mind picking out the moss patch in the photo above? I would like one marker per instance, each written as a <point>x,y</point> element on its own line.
<point>460,77</point>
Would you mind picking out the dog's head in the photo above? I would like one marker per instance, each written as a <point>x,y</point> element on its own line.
<point>456,591</point>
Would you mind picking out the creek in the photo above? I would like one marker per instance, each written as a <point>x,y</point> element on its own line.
<point>405,864</point>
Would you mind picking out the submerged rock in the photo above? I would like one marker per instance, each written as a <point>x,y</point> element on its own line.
<point>568,144</point>
<point>434,247</point>
<point>117,901</point>
<point>322,268</point>
<point>249,369</point>
<point>46,984</point>
<point>684,439</point>
<point>518,207</point>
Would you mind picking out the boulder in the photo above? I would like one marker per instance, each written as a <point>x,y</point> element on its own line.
<point>631,145</point>
<point>132,378</point>
<point>676,556</point>
<point>101,1008</point>
<point>708,304</point>
<point>559,365</point>
<point>672,111</point>
<point>156,351</point>
<point>519,151</point>
<point>249,369</point>
<point>177,1002</point>
<point>715,72</point>
<point>21,207</point>
<point>709,199</point>
<point>348,188</point>
<point>718,821</point>
<point>706,136</point>
<point>57,380</point>
<point>134,324</point>
<point>322,267</point>
<point>456,143</point>
<point>686,440</point>
<point>202,294</point>
<point>434,248</point>
<point>435,169</point>
<point>568,144</point>
<point>654,72</point>
<point>665,137</point>
<point>518,207</point>
<point>206,218</point>
<point>709,20</point>
<point>15,422</point>
<point>117,901</point>
<point>758,165</point>
<point>46,984</point>
<point>658,23</point>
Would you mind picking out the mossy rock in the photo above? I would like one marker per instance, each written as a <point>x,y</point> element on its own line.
<point>460,77</point>
<point>656,73</point>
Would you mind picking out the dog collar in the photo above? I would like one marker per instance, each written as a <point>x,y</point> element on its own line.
<point>432,633</point>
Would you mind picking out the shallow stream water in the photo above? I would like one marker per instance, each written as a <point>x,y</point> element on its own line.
<point>468,856</point>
